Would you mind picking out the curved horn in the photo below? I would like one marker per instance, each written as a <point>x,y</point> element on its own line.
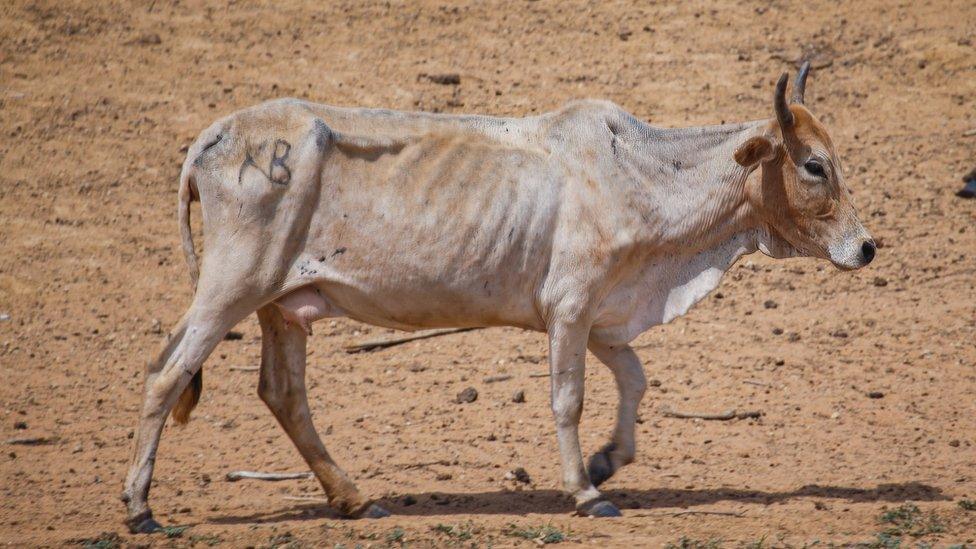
<point>783,114</point>
<point>800,84</point>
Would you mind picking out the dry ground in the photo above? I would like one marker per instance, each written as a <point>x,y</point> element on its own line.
<point>98,101</point>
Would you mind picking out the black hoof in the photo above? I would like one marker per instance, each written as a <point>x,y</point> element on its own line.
<point>600,468</point>
<point>599,508</point>
<point>143,524</point>
<point>374,512</point>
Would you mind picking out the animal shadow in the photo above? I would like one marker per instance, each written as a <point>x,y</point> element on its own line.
<point>520,502</point>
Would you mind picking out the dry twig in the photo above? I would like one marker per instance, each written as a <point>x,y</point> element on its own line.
<point>234,476</point>
<point>724,416</point>
<point>680,513</point>
<point>495,379</point>
<point>32,441</point>
<point>393,341</point>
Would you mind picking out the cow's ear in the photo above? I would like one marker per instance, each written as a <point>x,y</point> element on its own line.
<point>753,151</point>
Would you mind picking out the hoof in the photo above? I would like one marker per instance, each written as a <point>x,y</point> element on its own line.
<point>599,508</point>
<point>143,524</point>
<point>374,512</point>
<point>599,468</point>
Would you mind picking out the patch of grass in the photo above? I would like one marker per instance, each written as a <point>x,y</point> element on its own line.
<point>460,532</point>
<point>542,534</point>
<point>395,535</point>
<point>286,540</point>
<point>688,543</point>
<point>909,520</point>
<point>968,504</point>
<point>173,531</point>
<point>105,540</point>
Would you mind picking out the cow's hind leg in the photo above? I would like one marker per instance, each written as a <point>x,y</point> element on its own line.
<point>631,384</point>
<point>196,335</point>
<point>282,388</point>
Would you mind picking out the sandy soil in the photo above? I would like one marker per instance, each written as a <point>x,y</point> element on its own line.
<point>99,100</point>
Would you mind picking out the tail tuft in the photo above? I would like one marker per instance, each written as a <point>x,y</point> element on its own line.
<point>189,399</point>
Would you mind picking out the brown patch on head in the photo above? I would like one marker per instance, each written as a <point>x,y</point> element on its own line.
<point>808,129</point>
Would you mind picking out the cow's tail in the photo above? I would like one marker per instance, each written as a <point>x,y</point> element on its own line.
<point>183,212</point>
<point>187,192</point>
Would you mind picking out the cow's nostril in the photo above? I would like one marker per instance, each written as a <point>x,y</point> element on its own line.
<point>867,250</point>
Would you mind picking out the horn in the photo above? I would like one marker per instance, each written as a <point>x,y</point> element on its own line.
<point>800,84</point>
<point>783,113</point>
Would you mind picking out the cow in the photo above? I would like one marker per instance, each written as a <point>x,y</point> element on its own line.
<point>585,223</point>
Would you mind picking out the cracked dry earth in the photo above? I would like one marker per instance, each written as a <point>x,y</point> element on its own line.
<point>865,380</point>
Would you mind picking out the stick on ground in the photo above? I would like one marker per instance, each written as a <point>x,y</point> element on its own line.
<point>724,416</point>
<point>32,441</point>
<point>393,341</point>
<point>234,476</point>
<point>680,513</point>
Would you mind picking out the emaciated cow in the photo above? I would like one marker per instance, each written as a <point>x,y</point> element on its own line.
<point>584,223</point>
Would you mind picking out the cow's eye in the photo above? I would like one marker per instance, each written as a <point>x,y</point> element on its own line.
<point>815,168</point>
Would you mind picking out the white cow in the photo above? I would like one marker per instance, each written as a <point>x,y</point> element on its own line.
<point>584,223</point>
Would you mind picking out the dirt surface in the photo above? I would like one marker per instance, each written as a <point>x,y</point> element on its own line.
<point>866,380</point>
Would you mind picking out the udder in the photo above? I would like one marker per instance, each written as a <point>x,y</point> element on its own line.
<point>306,305</point>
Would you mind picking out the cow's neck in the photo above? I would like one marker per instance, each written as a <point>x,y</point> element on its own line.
<point>688,196</point>
<point>689,192</point>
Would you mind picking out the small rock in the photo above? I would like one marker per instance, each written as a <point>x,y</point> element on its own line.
<point>491,437</point>
<point>770,304</point>
<point>654,383</point>
<point>777,331</point>
<point>467,396</point>
<point>880,282</point>
<point>443,476</point>
<point>793,337</point>
<point>4,316</point>
<point>20,425</point>
<point>518,396</point>
<point>518,474</point>
<point>233,336</point>
<point>416,368</point>
<point>954,443</point>
<point>839,333</point>
<point>875,394</point>
<point>156,327</point>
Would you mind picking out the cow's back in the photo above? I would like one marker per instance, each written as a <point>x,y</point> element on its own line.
<point>401,219</point>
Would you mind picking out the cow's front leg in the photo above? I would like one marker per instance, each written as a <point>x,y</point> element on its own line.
<point>631,384</point>
<point>567,361</point>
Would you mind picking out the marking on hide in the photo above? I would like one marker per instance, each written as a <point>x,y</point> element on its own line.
<point>278,172</point>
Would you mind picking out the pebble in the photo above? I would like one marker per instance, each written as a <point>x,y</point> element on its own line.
<point>156,327</point>
<point>518,396</point>
<point>875,394</point>
<point>880,282</point>
<point>20,425</point>
<point>518,474</point>
<point>466,396</point>
<point>770,304</point>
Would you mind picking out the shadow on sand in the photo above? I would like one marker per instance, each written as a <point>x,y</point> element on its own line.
<point>556,502</point>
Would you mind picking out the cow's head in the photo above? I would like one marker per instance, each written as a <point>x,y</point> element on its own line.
<point>801,197</point>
